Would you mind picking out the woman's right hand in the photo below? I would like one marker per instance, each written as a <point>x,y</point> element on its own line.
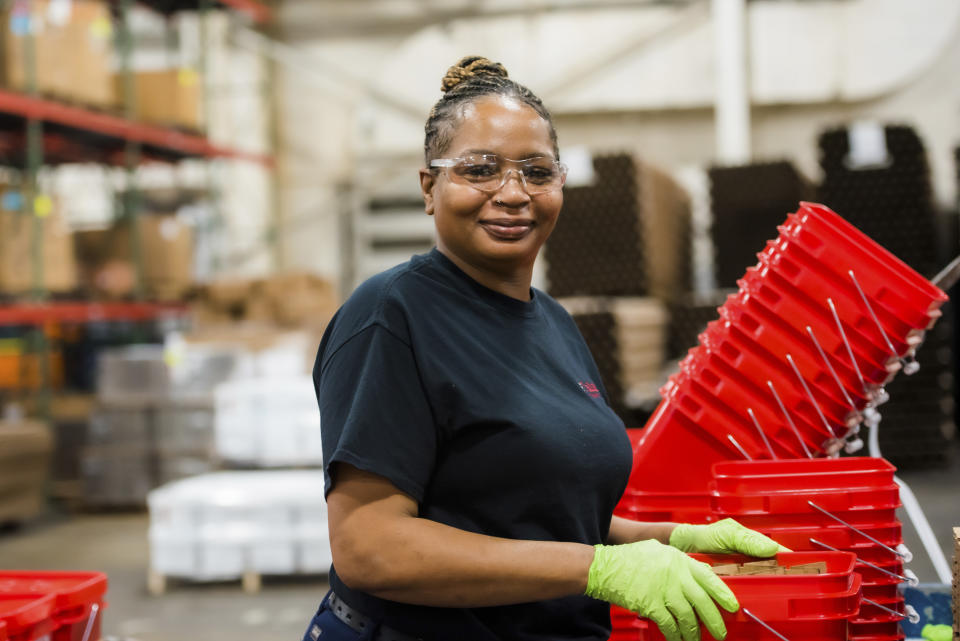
<point>663,584</point>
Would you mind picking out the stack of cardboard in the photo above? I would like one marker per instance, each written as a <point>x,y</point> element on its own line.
<point>627,337</point>
<point>25,448</point>
<point>165,244</point>
<point>78,32</point>
<point>768,567</point>
<point>289,300</point>
<point>169,98</point>
<point>69,420</point>
<point>34,251</point>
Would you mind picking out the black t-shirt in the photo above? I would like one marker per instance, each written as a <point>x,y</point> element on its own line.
<point>490,413</point>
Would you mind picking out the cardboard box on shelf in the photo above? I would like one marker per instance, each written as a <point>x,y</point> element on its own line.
<point>170,97</point>
<point>166,244</point>
<point>25,450</point>
<point>79,31</point>
<point>294,300</point>
<point>20,270</point>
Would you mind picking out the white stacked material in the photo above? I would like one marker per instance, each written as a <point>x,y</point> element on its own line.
<point>225,524</point>
<point>267,422</point>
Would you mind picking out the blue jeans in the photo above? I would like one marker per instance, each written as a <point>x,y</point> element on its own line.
<point>325,626</point>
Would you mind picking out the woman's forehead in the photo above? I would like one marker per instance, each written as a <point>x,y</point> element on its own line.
<point>502,125</point>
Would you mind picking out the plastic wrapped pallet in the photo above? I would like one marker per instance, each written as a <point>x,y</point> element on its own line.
<point>225,524</point>
<point>268,422</point>
<point>117,475</point>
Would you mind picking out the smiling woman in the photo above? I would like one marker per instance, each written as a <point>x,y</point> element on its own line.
<point>472,460</point>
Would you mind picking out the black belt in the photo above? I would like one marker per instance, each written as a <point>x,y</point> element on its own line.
<point>360,622</point>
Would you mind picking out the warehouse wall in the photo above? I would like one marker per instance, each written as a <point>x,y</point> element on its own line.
<point>649,89</point>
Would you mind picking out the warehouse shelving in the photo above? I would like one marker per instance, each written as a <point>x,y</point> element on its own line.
<point>259,12</point>
<point>39,130</point>
<point>76,133</point>
<point>79,312</point>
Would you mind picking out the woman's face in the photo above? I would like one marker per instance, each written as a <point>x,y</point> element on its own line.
<point>503,230</point>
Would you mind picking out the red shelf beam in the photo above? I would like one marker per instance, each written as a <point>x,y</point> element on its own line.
<point>82,312</point>
<point>190,145</point>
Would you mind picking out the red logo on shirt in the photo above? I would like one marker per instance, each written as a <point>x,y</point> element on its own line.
<point>590,389</point>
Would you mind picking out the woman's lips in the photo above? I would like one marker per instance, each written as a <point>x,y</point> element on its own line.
<point>507,230</point>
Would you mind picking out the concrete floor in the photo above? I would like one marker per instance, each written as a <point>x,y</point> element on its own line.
<point>117,545</point>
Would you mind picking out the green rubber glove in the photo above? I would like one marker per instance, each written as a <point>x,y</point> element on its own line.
<point>937,632</point>
<point>663,584</point>
<point>723,537</point>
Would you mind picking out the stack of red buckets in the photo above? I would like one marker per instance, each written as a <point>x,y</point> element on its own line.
<point>844,504</point>
<point>51,606</point>
<point>792,367</point>
<point>802,606</point>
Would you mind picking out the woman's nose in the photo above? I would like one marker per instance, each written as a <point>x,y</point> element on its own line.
<point>513,191</point>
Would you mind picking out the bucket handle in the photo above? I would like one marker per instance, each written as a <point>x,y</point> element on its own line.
<point>855,529</point>
<point>909,612</point>
<point>763,623</point>
<point>907,577</point>
<point>94,612</point>
<point>786,415</point>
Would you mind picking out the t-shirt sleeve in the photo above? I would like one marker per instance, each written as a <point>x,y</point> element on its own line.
<point>374,412</point>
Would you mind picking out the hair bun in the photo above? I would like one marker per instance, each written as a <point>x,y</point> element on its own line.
<point>471,67</point>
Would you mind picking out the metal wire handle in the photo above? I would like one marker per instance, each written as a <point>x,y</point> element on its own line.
<point>846,343</point>
<point>908,610</point>
<point>910,364</point>
<point>911,578</point>
<point>763,623</point>
<point>94,612</point>
<point>756,424</point>
<point>739,447</point>
<point>813,401</point>
<point>786,415</point>
<point>855,529</point>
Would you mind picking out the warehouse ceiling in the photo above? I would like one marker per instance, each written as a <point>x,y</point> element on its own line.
<point>301,20</point>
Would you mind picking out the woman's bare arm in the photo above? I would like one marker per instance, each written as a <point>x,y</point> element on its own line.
<point>381,546</point>
<point>626,531</point>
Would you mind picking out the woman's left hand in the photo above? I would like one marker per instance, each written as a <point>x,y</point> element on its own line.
<point>723,537</point>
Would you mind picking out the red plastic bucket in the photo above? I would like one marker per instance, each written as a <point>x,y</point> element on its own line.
<point>670,434</point>
<point>898,311</point>
<point>78,599</point>
<point>771,346</point>
<point>811,517</point>
<point>838,536</point>
<point>684,507</point>
<point>875,628</point>
<point>801,607</point>
<point>27,618</point>
<point>846,473</point>
<point>870,612</point>
<point>742,369</point>
<point>722,419</point>
<point>761,295</point>
<point>792,263</point>
<point>796,500</point>
<point>822,224</point>
<point>872,576</point>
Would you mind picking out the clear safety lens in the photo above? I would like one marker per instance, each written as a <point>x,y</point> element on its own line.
<point>489,172</point>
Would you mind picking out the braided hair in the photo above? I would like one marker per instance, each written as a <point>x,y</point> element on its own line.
<point>471,78</point>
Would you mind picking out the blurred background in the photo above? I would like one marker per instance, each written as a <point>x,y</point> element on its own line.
<point>188,190</point>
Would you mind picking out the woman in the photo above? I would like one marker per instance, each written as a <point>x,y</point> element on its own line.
<point>472,461</point>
